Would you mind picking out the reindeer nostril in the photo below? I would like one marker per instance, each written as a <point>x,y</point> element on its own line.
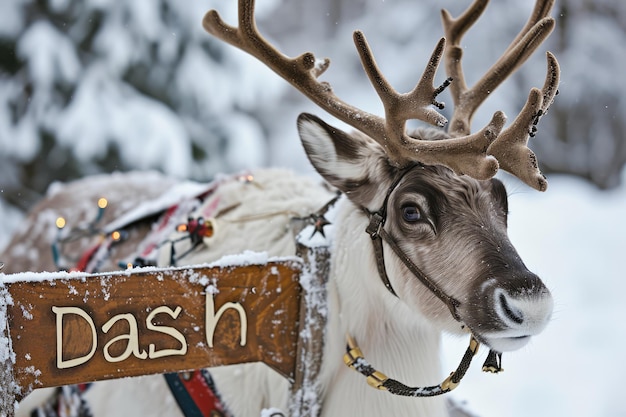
<point>511,313</point>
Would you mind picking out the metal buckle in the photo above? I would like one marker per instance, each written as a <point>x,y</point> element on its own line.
<point>376,380</point>
<point>376,222</point>
<point>447,385</point>
<point>350,357</point>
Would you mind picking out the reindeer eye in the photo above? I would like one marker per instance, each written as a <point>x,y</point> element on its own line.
<point>411,214</point>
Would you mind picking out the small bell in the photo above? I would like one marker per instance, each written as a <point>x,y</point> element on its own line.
<point>493,363</point>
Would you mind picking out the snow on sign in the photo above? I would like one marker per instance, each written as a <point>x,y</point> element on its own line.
<point>73,328</point>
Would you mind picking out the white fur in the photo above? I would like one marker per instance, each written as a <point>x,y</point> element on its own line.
<point>323,151</point>
<point>393,338</point>
<point>398,336</point>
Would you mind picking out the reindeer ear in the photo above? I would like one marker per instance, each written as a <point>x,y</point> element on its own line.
<point>350,162</point>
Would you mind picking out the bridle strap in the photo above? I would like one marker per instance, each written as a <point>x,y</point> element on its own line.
<point>354,357</point>
<point>452,303</point>
<point>380,264</point>
<point>378,233</point>
<point>377,221</point>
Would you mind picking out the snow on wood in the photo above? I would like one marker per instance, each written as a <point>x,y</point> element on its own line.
<point>7,358</point>
<point>305,397</point>
<point>147,320</point>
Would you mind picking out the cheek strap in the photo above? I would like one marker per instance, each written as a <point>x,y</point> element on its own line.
<point>378,233</point>
<point>353,357</point>
<point>376,230</point>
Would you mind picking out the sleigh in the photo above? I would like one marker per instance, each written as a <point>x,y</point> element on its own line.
<point>67,328</point>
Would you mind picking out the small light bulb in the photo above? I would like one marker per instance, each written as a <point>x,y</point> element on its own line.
<point>246,178</point>
<point>116,235</point>
<point>60,223</point>
<point>102,202</point>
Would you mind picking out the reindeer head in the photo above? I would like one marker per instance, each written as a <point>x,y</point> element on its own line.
<point>442,208</point>
<point>453,227</point>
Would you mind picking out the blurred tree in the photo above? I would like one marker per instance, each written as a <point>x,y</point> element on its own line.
<point>100,85</point>
<point>585,132</point>
<point>588,123</point>
<point>95,86</point>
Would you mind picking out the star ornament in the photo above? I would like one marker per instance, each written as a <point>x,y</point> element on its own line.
<point>319,222</point>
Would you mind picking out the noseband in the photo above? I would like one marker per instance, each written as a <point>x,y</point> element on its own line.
<point>354,357</point>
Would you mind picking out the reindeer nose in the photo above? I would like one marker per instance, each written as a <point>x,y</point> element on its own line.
<point>526,307</point>
<point>507,311</point>
<point>516,308</point>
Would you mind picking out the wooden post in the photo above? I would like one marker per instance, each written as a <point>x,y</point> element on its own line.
<point>59,329</point>
<point>305,400</point>
<point>7,382</point>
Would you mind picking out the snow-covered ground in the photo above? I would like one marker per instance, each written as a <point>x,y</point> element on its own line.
<point>574,237</point>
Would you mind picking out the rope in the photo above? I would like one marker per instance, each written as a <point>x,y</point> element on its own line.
<point>355,360</point>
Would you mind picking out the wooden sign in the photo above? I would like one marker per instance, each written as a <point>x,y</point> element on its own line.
<point>71,328</point>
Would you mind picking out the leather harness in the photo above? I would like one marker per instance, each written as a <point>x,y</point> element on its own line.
<point>377,232</point>
<point>354,357</point>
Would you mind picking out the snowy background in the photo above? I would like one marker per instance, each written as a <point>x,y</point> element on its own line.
<point>89,86</point>
<point>574,237</point>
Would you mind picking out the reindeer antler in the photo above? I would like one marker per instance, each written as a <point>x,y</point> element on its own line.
<point>510,147</point>
<point>464,153</point>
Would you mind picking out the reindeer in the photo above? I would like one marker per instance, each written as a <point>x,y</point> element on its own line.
<point>420,231</point>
